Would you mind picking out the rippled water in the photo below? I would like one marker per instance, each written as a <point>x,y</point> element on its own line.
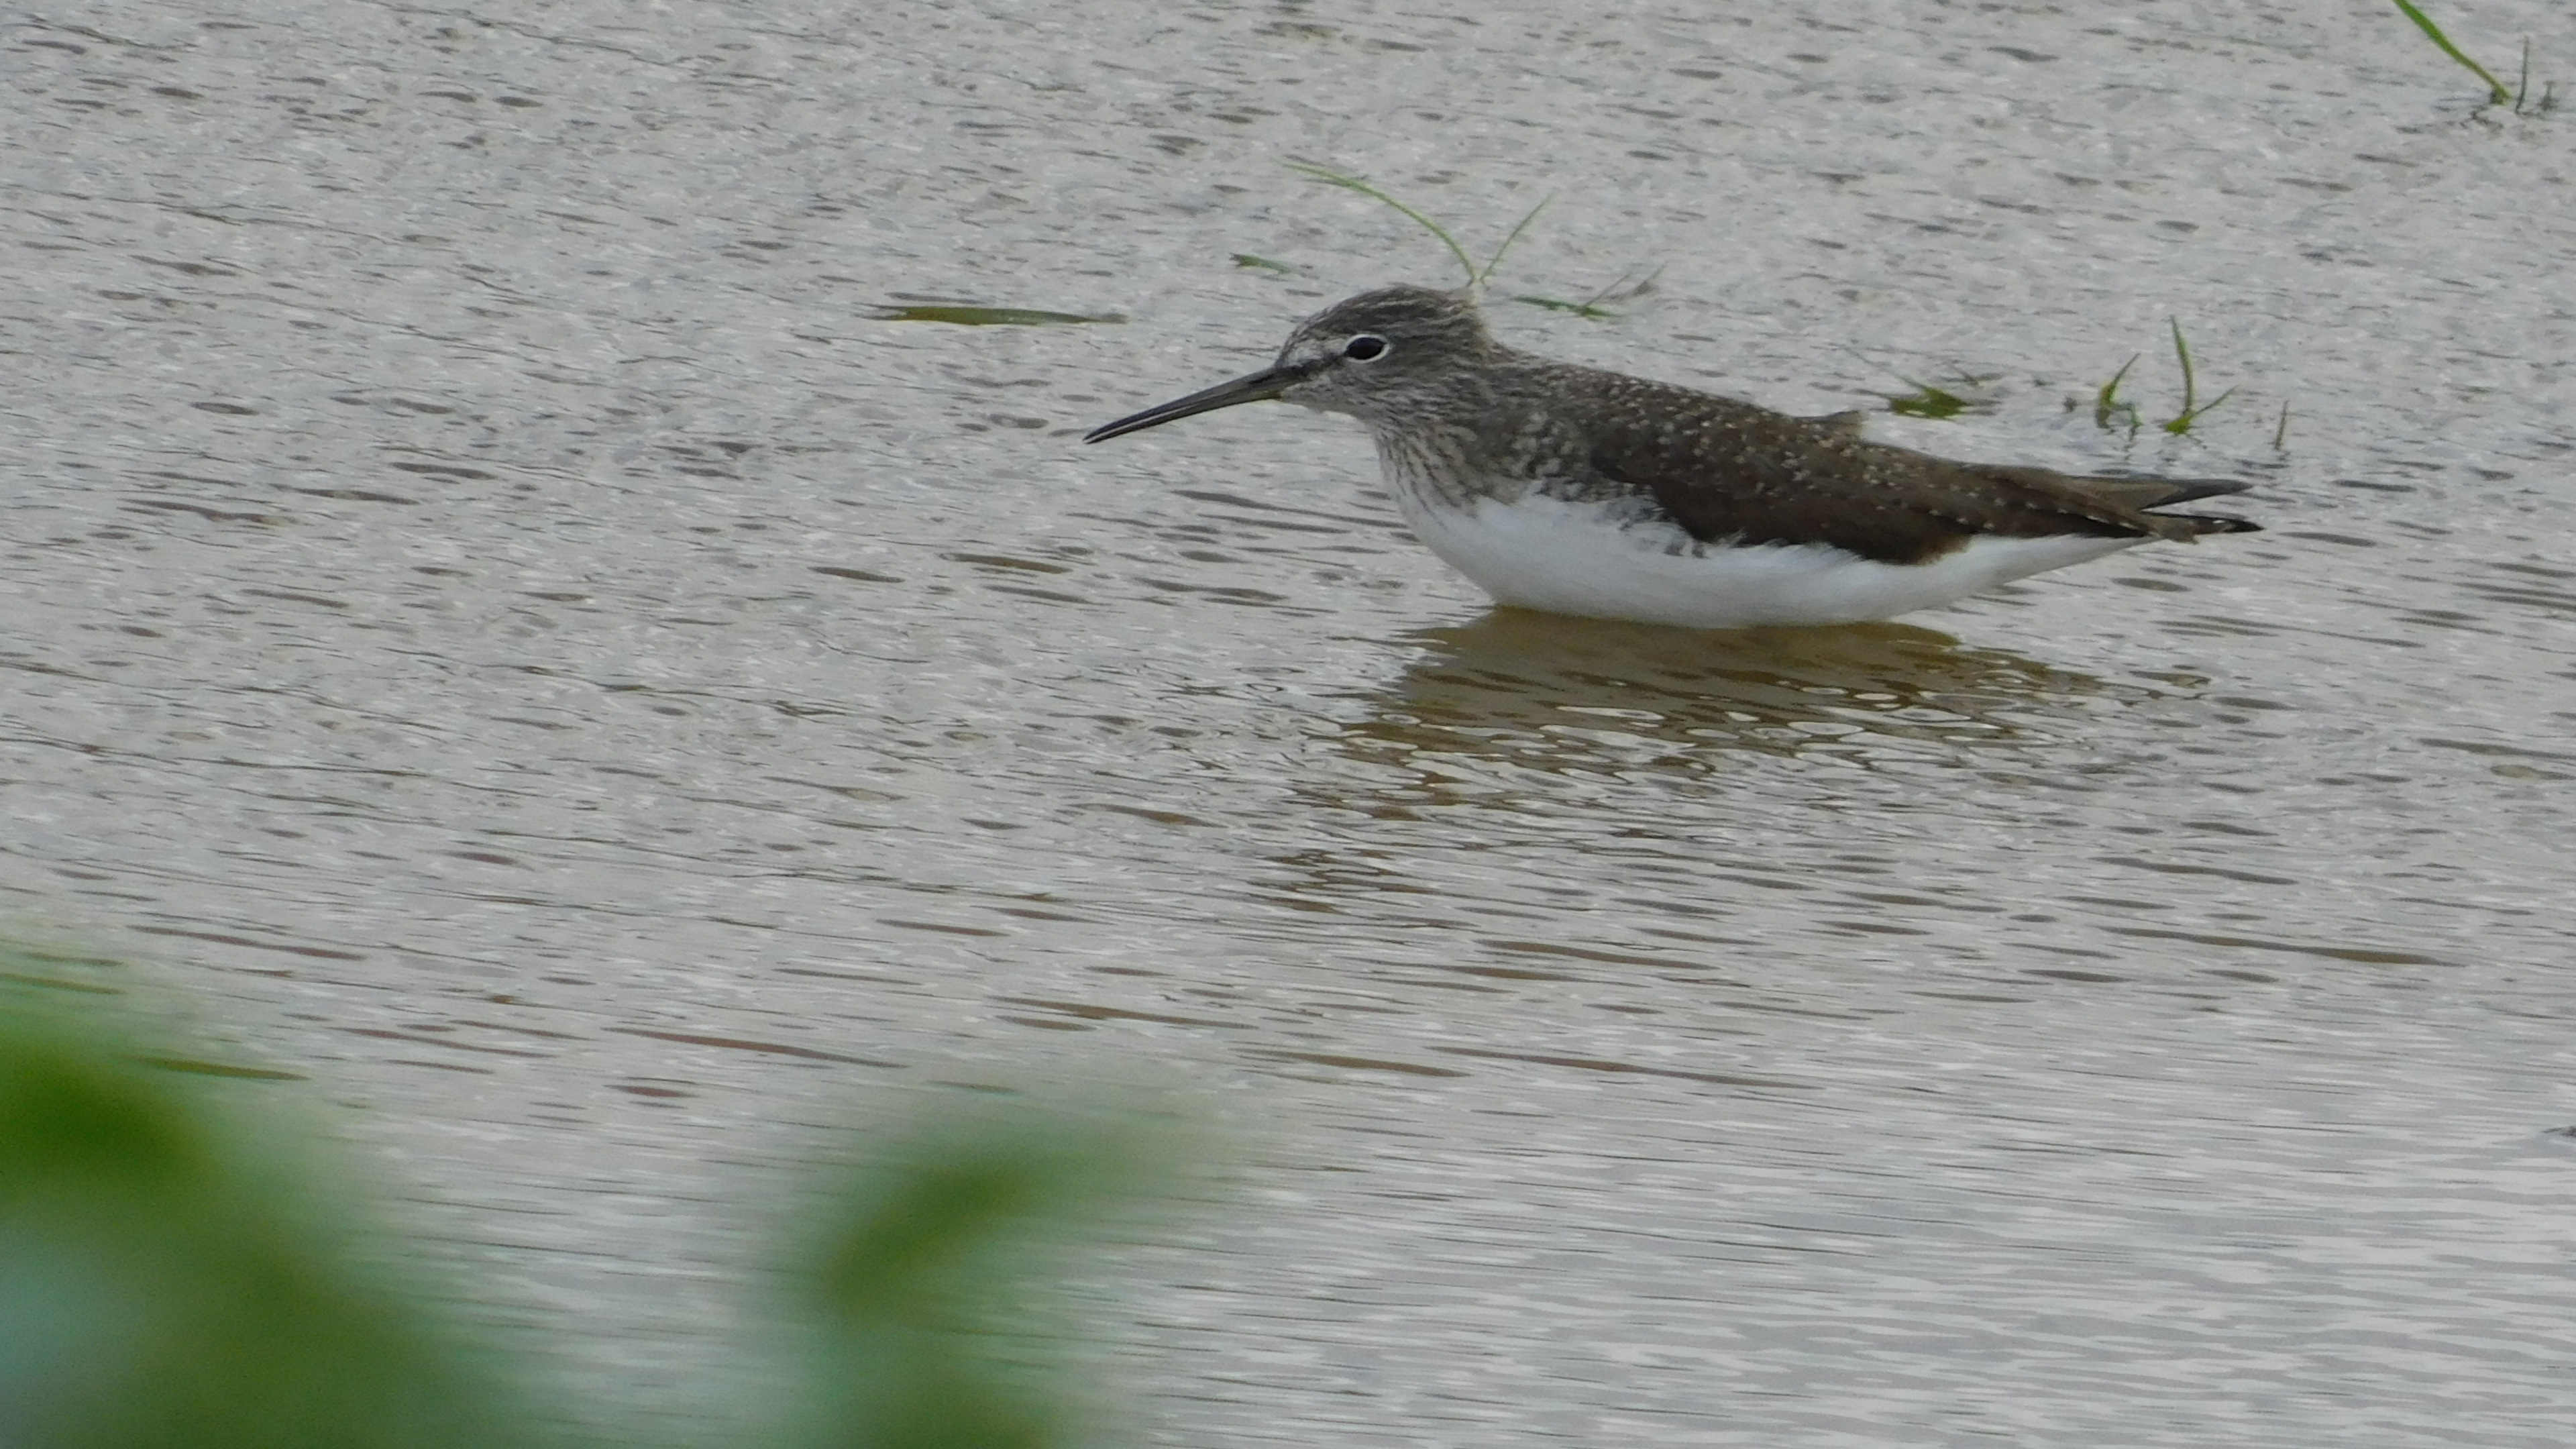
<point>494,617</point>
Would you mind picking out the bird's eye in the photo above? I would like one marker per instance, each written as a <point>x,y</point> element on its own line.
<point>1367,347</point>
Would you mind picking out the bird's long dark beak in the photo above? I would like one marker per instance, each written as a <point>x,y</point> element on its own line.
<point>1260,386</point>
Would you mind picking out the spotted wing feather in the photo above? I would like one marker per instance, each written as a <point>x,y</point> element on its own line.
<point>1729,471</point>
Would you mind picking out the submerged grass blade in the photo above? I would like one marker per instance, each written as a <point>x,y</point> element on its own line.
<point>1929,400</point>
<point>1579,309</point>
<point>1622,290</point>
<point>1331,177</point>
<point>2496,93</point>
<point>1966,392</point>
<point>958,315</point>
<point>2523,104</point>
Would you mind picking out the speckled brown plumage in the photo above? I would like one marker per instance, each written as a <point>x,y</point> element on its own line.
<point>1463,422</point>
<point>1729,470</point>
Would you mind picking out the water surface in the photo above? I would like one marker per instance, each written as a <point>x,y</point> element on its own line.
<point>509,616</point>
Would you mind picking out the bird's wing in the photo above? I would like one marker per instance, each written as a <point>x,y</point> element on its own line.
<point>1730,471</point>
<point>2139,494</point>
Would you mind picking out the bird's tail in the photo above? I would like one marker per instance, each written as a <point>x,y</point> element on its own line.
<point>2184,527</point>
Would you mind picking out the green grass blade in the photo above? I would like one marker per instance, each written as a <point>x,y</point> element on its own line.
<point>1515,235</point>
<point>2182,352</point>
<point>2496,93</point>
<point>2192,406</point>
<point>2181,422</point>
<point>2106,402</point>
<point>1627,288</point>
<point>1331,177</point>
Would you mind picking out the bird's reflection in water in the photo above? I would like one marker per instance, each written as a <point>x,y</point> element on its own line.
<point>1553,693</point>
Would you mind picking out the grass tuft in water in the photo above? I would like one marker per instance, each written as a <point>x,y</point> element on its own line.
<point>960,315</point>
<point>1251,263</point>
<point>1348,182</point>
<point>2181,422</point>
<point>1627,288</point>
<point>1476,276</point>
<point>2110,410</point>
<point>2108,404</point>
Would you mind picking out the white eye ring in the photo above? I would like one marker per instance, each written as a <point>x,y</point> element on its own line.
<point>1367,347</point>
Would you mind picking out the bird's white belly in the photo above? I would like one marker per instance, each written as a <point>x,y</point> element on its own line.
<point>1602,561</point>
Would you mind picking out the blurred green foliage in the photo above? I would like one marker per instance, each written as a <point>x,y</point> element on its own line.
<point>927,1338</point>
<point>158,1287</point>
<point>167,1282</point>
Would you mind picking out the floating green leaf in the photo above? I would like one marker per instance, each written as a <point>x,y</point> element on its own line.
<point>959,315</point>
<point>1932,400</point>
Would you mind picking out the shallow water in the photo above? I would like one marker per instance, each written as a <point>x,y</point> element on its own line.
<point>497,621</point>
